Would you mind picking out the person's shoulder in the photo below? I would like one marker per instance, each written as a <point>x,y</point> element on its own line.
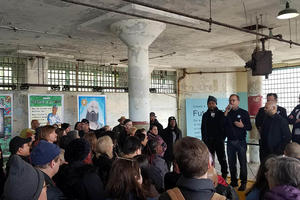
<point>243,111</point>
<point>164,196</point>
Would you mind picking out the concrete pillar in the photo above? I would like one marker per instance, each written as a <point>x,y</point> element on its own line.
<point>254,101</point>
<point>138,34</point>
<point>37,71</point>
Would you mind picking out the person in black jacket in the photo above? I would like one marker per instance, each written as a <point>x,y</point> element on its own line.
<point>294,118</point>
<point>171,134</point>
<point>192,157</point>
<point>275,132</point>
<point>78,180</point>
<point>45,157</point>
<point>261,115</point>
<point>213,135</point>
<point>237,123</point>
<point>154,122</point>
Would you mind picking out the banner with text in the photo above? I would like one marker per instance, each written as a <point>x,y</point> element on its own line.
<point>92,108</point>
<point>195,108</point>
<point>47,109</point>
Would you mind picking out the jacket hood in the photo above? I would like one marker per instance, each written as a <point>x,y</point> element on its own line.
<point>284,192</point>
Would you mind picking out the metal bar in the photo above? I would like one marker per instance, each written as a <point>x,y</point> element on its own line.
<point>209,21</point>
<point>135,15</point>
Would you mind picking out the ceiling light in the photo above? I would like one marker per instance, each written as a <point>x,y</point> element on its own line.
<point>287,13</point>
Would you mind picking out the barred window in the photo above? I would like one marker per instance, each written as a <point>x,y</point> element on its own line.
<point>285,83</point>
<point>164,81</point>
<point>87,77</point>
<point>12,72</point>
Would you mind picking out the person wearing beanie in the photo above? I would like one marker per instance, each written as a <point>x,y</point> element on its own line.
<point>213,135</point>
<point>79,180</point>
<point>21,147</point>
<point>170,135</point>
<point>45,157</point>
<point>24,182</point>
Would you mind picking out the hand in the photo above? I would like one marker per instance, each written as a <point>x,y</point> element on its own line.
<point>228,108</point>
<point>297,121</point>
<point>239,124</point>
<point>291,117</point>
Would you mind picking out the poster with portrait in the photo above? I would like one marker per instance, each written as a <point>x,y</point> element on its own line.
<point>47,109</point>
<point>92,108</point>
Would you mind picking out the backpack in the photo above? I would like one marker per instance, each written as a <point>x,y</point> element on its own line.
<point>175,194</point>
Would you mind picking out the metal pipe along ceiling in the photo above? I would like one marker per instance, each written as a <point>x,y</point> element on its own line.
<point>210,21</point>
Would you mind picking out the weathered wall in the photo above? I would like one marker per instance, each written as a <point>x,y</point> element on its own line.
<point>220,85</point>
<point>116,106</point>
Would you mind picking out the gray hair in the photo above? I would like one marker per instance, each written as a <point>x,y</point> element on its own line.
<point>283,171</point>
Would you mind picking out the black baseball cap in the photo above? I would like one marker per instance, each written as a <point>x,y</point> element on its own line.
<point>16,143</point>
<point>85,121</point>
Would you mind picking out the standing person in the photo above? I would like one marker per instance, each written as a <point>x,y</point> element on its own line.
<point>48,133</point>
<point>294,118</point>
<point>35,124</point>
<point>45,157</point>
<point>261,115</point>
<point>125,133</point>
<point>213,135</point>
<point>154,122</point>
<point>18,146</point>
<point>85,127</point>
<point>120,127</point>
<point>192,157</point>
<point>53,118</point>
<point>171,134</point>
<point>237,123</point>
<point>275,132</point>
<point>2,174</point>
<point>77,179</point>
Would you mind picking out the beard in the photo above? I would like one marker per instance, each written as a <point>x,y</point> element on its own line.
<point>92,116</point>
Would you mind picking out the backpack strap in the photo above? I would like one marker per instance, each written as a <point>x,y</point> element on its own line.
<point>175,194</point>
<point>217,196</point>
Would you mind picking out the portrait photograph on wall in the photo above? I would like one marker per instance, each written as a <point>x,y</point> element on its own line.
<point>92,108</point>
<point>47,109</point>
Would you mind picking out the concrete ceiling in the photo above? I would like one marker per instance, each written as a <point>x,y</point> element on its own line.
<point>63,30</point>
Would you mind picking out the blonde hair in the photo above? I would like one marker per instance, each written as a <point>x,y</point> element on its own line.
<point>104,146</point>
<point>132,131</point>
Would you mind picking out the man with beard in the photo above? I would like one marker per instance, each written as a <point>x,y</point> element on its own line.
<point>275,133</point>
<point>213,135</point>
<point>154,122</point>
<point>93,115</point>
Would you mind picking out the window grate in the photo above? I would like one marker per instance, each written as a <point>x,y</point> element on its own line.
<point>12,71</point>
<point>285,83</point>
<point>86,76</point>
<point>164,81</point>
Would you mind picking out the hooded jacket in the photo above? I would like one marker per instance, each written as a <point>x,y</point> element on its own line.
<point>284,192</point>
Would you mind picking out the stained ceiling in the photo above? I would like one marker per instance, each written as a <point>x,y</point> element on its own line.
<point>64,30</point>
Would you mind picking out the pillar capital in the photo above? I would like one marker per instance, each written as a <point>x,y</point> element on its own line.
<point>137,32</point>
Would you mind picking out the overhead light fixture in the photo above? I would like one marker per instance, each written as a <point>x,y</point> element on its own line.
<point>287,13</point>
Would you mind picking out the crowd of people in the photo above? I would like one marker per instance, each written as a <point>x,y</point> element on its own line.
<point>52,162</point>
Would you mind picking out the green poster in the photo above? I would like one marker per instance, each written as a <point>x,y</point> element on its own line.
<point>47,109</point>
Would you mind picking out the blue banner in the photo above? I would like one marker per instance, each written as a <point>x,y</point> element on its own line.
<point>195,108</point>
